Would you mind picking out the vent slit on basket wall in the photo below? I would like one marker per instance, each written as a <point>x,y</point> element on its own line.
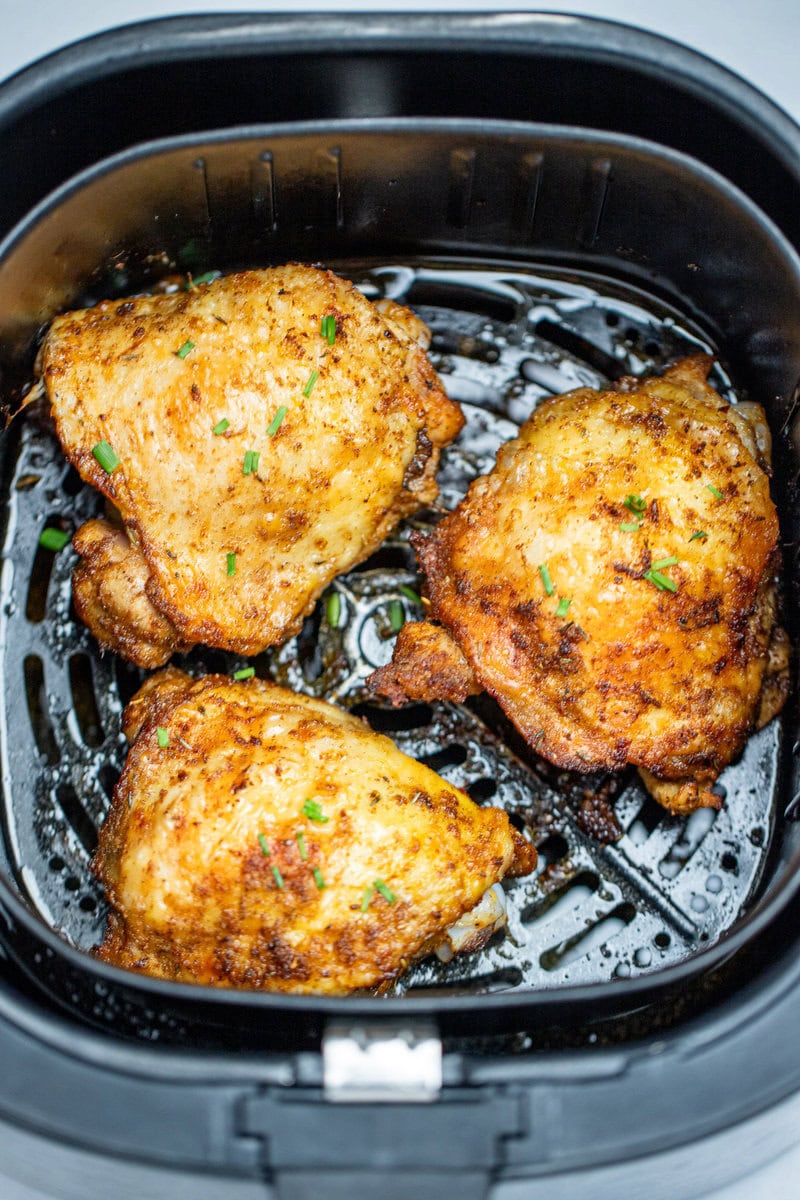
<point>598,179</point>
<point>262,190</point>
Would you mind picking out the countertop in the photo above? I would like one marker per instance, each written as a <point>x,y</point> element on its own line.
<point>759,41</point>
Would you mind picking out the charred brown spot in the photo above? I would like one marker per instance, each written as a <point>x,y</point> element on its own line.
<point>422,453</point>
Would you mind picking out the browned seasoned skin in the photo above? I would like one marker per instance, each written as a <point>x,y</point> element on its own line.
<point>209,880</point>
<point>109,589</point>
<point>670,678</point>
<point>426,665</point>
<point>347,438</point>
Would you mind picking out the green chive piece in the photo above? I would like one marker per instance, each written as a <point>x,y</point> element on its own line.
<point>410,594</point>
<point>250,463</point>
<point>366,899</point>
<point>278,877</point>
<point>385,891</point>
<point>666,562</point>
<point>163,737</point>
<point>563,606</point>
<point>397,617</point>
<point>209,277</point>
<point>185,349</point>
<point>104,453</point>
<point>301,842</point>
<point>312,379</point>
<point>318,880</point>
<point>700,535</point>
<point>714,491</point>
<point>662,582</point>
<point>631,526</point>
<point>277,421</point>
<point>54,539</point>
<point>333,610</point>
<point>244,673</point>
<point>635,503</point>
<point>231,564</point>
<point>328,329</point>
<point>221,426</point>
<point>262,841</point>
<point>546,580</point>
<point>313,811</point>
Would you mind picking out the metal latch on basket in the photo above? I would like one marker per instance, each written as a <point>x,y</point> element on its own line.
<point>376,1063</point>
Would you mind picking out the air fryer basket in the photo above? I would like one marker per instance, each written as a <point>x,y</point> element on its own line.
<point>563,204</point>
<point>446,216</point>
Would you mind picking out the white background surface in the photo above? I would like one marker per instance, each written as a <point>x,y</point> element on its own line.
<point>760,39</point>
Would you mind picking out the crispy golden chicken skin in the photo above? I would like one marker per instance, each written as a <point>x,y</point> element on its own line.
<point>612,582</point>
<point>263,839</point>
<point>270,427</point>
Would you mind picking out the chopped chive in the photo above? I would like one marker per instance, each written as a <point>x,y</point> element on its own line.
<point>385,891</point>
<point>209,277</point>
<point>714,491</point>
<point>278,877</point>
<point>410,594</point>
<point>262,841</point>
<point>662,582</point>
<point>318,880</point>
<point>333,610</point>
<point>163,737</point>
<point>312,379</point>
<point>250,464</point>
<point>635,503</point>
<point>104,453</point>
<point>631,526</point>
<point>301,842</point>
<point>546,580</point>
<point>313,811</point>
<point>666,562</point>
<point>244,673</point>
<point>277,421</point>
<point>185,349</point>
<point>397,618</point>
<point>563,606</point>
<point>366,899</point>
<point>221,426</point>
<point>700,534</point>
<point>231,564</point>
<point>54,539</point>
<point>328,329</point>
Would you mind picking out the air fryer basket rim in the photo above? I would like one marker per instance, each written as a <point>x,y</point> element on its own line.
<point>169,40</point>
<point>389,126</point>
<point>579,997</point>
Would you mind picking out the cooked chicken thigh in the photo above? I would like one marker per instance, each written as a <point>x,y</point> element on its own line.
<point>263,839</point>
<point>259,434</point>
<point>612,583</point>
